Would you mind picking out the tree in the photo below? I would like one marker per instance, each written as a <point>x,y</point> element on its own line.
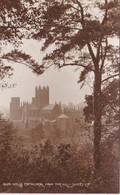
<point>110,107</point>
<point>13,28</point>
<point>80,32</point>
<point>6,140</point>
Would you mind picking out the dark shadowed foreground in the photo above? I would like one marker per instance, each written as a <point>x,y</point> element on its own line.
<point>26,167</point>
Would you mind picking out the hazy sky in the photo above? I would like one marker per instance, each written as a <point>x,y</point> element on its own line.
<point>62,83</point>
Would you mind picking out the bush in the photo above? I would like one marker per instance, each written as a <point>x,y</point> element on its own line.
<point>63,163</point>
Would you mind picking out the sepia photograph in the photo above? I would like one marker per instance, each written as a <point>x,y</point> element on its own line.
<point>59,96</point>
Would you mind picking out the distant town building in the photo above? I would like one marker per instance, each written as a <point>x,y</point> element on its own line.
<point>51,111</point>
<point>43,120</point>
<point>30,115</point>
<point>63,123</point>
<point>71,106</point>
<point>15,109</point>
<point>41,98</point>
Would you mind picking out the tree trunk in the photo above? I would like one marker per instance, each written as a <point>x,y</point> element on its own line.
<point>97,120</point>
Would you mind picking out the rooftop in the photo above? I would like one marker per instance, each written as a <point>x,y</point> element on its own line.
<point>63,116</point>
<point>49,107</point>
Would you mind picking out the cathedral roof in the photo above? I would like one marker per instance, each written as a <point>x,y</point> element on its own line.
<point>33,107</point>
<point>49,107</point>
<point>63,116</point>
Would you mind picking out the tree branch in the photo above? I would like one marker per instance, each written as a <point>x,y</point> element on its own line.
<point>112,107</point>
<point>82,13</point>
<point>110,77</point>
<point>74,8</point>
<point>74,64</point>
<point>91,53</point>
<point>102,64</point>
<point>99,45</point>
<point>102,24</point>
<point>13,60</point>
<point>106,11</point>
<point>83,26</point>
<point>35,67</point>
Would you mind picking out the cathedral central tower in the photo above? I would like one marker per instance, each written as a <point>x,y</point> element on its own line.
<point>42,96</point>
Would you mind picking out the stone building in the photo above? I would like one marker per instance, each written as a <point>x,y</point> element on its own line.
<point>41,98</point>
<point>51,111</point>
<point>29,115</point>
<point>15,109</point>
<point>63,123</point>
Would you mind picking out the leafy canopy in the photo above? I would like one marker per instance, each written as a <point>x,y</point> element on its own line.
<point>78,31</point>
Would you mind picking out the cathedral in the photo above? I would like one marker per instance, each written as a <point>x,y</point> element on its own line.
<point>41,98</point>
<point>39,110</point>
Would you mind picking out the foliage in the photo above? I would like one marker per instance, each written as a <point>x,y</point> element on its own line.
<point>71,27</point>
<point>88,110</point>
<point>5,71</point>
<point>110,162</point>
<point>13,28</point>
<point>6,138</point>
<point>63,163</point>
<point>110,102</point>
